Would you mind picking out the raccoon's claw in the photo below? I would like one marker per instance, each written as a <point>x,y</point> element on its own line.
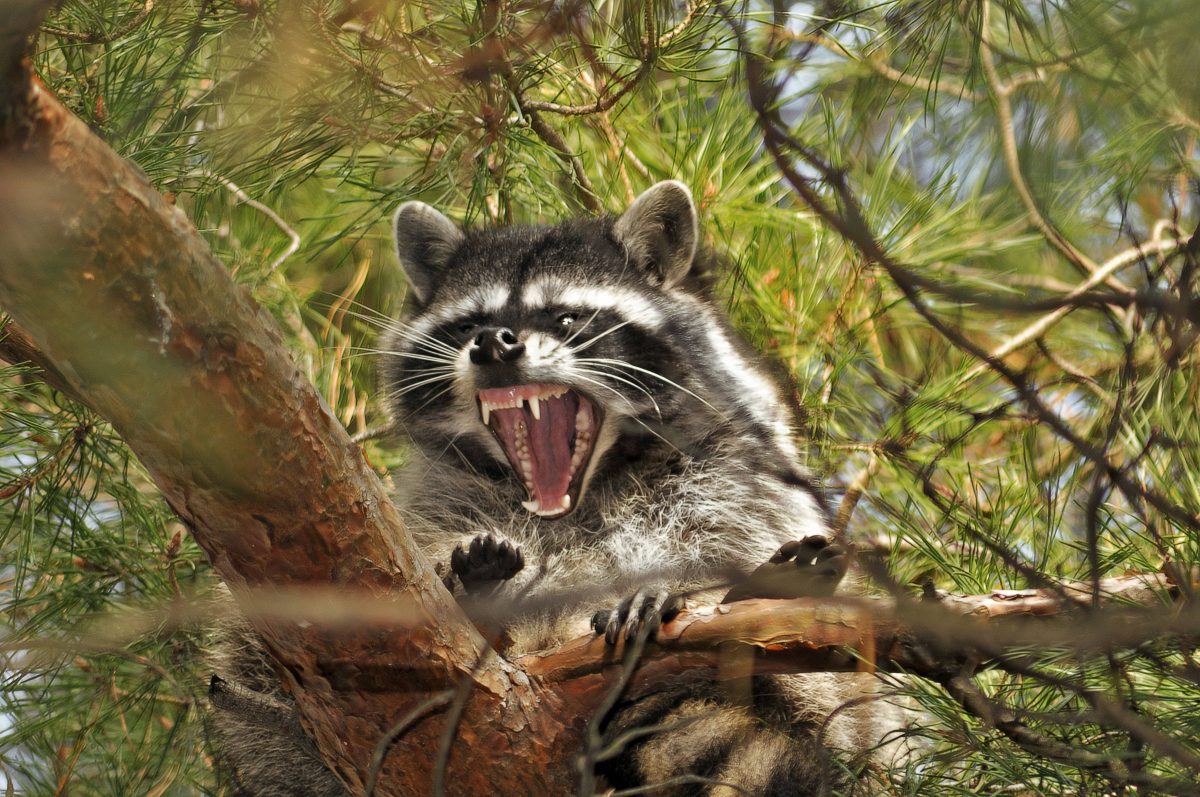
<point>644,608</point>
<point>485,562</point>
<point>807,568</point>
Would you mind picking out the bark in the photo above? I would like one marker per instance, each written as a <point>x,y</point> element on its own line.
<point>117,296</point>
<point>121,295</point>
<point>848,635</point>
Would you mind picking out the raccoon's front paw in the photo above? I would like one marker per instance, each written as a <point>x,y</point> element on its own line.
<point>646,607</point>
<point>807,568</point>
<point>485,563</point>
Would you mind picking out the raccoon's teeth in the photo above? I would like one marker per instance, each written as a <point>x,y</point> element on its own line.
<point>535,507</point>
<point>535,407</point>
<point>485,410</point>
<point>577,457</point>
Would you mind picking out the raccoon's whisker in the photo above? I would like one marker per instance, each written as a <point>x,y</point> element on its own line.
<point>592,341</point>
<point>646,426</point>
<point>366,312</point>
<point>633,384</point>
<point>635,419</point>
<point>429,381</point>
<point>582,327</point>
<point>436,459</point>
<point>424,380</point>
<point>400,329</point>
<point>600,384</point>
<point>361,352</point>
<point>424,339</point>
<point>376,321</point>
<point>440,361</point>
<point>428,401</point>
<point>653,374</point>
<point>406,332</point>
<point>408,355</point>
<point>444,368</point>
<point>420,338</point>
<point>394,353</point>
<point>443,372</point>
<point>372,317</point>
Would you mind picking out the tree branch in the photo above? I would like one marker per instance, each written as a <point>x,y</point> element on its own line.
<point>811,635</point>
<point>124,300</point>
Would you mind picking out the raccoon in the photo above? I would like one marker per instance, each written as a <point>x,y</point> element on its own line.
<point>592,443</point>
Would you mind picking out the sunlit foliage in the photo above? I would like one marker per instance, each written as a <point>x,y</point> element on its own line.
<point>1032,164</point>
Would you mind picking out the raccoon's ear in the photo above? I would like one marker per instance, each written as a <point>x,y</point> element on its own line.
<point>425,240</point>
<point>659,231</point>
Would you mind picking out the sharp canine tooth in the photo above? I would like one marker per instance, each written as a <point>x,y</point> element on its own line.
<point>566,502</point>
<point>535,407</point>
<point>486,410</point>
<point>532,506</point>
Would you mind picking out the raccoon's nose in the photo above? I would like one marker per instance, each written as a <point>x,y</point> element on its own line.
<point>496,345</point>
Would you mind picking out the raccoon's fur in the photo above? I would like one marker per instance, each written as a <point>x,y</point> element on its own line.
<point>587,425</point>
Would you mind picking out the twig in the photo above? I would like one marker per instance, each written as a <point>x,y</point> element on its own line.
<point>584,189</point>
<point>1113,713</point>
<point>681,780</point>
<point>608,97</point>
<point>811,635</point>
<point>17,347</point>
<point>1102,273</point>
<point>95,37</point>
<point>436,700</point>
<point>1000,97</point>
<point>245,199</point>
<point>853,493</point>
<point>593,739</point>
<point>66,449</point>
<point>1003,719</point>
<point>693,11</point>
<point>851,224</point>
<point>458,704</point>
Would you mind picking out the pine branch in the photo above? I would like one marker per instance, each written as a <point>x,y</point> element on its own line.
<point>124,304</point>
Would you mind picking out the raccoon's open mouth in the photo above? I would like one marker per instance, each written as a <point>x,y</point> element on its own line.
<point>547,432</point>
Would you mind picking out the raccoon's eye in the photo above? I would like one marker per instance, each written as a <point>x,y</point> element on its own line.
<point>467,328</point>
<point>566,319</point>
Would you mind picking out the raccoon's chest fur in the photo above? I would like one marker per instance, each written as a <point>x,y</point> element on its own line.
<point>673,519</point>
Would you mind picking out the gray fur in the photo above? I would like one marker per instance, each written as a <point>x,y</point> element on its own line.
<point>425,239</point>
<point>695,476</point>
<point>261,749</point>
<point>659,231</point>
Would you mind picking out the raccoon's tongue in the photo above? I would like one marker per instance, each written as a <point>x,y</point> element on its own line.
<point>546,432</point>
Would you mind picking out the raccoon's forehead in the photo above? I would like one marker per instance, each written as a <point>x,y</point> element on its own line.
<point>545,291</point>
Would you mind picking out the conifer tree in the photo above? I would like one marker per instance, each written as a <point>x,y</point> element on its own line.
<point>967,230</point>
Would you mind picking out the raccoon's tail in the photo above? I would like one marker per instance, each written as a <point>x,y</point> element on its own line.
<point>258,743</point>
<point>691,740</point>
<point>262,750</point>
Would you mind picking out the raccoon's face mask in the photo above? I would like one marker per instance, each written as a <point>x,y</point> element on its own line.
<point>535,346</point>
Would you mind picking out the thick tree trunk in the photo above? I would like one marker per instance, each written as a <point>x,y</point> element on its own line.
<point>122,296</point>
<point>119,298</point>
